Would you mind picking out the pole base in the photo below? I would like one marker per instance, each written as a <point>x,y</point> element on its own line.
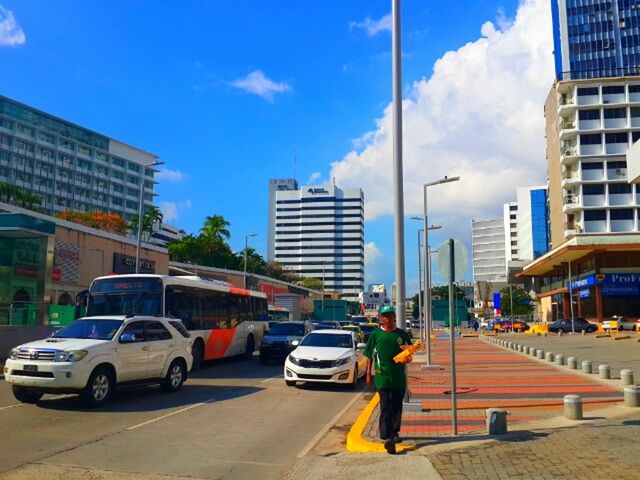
<point>412,406</point>
<point>431,367</point>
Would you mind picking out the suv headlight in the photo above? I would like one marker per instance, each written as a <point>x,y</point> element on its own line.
<point>294,360</point>
<point>341,361</point>
<point>71,356</point>
<point>13,354</point>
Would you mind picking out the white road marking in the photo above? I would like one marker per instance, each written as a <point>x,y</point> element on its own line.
<point>269,379</point>
<point>312,443</point>
<point>12,406</point>
<point>170,414</point>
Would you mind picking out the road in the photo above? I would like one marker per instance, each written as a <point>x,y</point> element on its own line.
<point>232,419</point>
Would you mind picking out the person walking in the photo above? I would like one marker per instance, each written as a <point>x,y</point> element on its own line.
<point>475,325</point>
<point>389,377</point>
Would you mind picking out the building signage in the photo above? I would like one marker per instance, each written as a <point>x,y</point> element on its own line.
<point>608,279</point>
<point>66,262</point>
<point>127,264</point>
<point>620,290</point>
<point>318,191</point>
<point>584,293</point>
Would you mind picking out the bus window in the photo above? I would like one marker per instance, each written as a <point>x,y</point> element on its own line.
<point>232,312</point>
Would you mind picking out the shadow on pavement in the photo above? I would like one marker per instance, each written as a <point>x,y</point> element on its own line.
<point>513,437</point>
<point>330,387</point>
<point>237,368</point>
<point>152,398</point>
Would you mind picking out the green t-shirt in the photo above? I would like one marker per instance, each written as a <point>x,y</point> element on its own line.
<point>381,348</point>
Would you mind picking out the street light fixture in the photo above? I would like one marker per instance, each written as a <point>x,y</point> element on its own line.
<point>427,275</point>
<point>140,209</point>
<point>246,247</point>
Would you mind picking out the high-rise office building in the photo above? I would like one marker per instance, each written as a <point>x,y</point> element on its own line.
<point>276,185</point>
<point>318,232</point>
<point>533,222</point>
<point>68,167</point>
<point>488,245</point>
<point>596,38</point>
<point>510,218</point>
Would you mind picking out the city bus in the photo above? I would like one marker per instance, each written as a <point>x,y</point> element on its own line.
<point>223,320</point>
<point>279,314</point>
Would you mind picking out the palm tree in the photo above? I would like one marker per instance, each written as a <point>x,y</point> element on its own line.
<point>152,215</point>
<point>215,229</point>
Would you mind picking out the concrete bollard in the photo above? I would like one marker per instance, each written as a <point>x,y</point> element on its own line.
<point>572,363</point>
<point>587,366</point>
<point>496,421</point>
<point>540,354</point>
<point>549,357</point>
<point>573,407</point>
<point>520,348</point>
<point>525,350</point>
<point>626,377</point>
<point>604,372</point>
<point>559,359</point>
<point>632,396</point>
<point>533,352</point>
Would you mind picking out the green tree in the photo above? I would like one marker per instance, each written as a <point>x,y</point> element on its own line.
<point>311,283</point>
<point>255,262</point>
<point>215,229</point>
<point>277,271</point>
<point>522,304</point>
<point>152,215</point>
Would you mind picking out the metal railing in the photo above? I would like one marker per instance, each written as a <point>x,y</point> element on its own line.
<point>22,313</point>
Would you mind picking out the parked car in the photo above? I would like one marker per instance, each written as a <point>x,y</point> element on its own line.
<point>278,341</point>
<point>368,329</point>
<point>326,356</point>
<point>93,355</point>
<point>484,323</point>
<point>357,330</point>
<point>330,324</point>
<point>564,326</point>
<point>623,323</point>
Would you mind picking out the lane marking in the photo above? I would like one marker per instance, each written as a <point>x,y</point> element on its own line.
<point>170,414</point>
<point>269,379</point>
<point>312,443</point>
<point>12,406</point>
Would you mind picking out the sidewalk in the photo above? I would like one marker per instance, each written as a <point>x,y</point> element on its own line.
<point>488,377</point>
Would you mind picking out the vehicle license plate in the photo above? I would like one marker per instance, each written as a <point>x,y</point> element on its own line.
<point>30,368</point>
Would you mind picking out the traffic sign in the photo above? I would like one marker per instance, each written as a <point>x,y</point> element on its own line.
<point>460,258</point>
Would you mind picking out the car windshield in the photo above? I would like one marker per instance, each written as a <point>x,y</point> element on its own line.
<point>98,329</point>
<point>287,329</point>
<point>327,340</point>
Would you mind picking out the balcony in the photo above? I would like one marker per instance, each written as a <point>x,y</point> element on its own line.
<point>571,229</point>
<point>571,203</point>
<point>566,105</point>
<point>568,130</point>
<point>570,178</point>
<point>568,155</point>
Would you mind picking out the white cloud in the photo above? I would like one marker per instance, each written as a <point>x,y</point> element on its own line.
<point>371,254</point>
<point>171,210</point>
<point>373,27</point>
<point>479,115</point>
<point>260,85</point>
<point>170,175</point>
<point>11,34</point>
<point>313,178</point>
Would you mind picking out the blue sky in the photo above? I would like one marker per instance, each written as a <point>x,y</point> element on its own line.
<point>229,93</point>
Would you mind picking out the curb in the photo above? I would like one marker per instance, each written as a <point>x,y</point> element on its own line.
<point>357,444</point>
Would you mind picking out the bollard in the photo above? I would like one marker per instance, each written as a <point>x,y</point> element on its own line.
<point>540,354</point>
<point>604,372</point>
<point>572,363</point>
<point>525,350</point>
<point>573,407</point>
<point>532,352</point>
<point>632,396</point>
<point>520,348</point>
<point>549,357</point>
<point>559,359</point>
<point>586,366</point>
<point>496,421</point>
<point>626,377</point>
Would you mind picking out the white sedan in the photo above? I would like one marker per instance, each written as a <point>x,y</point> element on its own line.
<point>326,356</point>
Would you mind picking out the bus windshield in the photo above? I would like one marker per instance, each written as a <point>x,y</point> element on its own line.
<point>125,296</point>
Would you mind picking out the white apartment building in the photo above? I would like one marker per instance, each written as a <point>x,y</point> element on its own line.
<point>276,185</point>
<point>590,124</point>
<point>510,219</point>
<point>318,231</point>
<point>374,298</point>
<point>488,245</point>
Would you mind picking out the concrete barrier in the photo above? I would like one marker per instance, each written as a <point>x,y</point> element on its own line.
<point>626,377</point>
<point>572,363</point>
<point>540,354</point>
<point>573,407</point>
<point>604,371</point>
<point>496,421</point>
<point>587,366</point>
<point>559,359</point>
<point>549,357</point>
<point>632,396</point>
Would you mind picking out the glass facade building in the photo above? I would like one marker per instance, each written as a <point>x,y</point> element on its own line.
<point>55,165</point>
<point>596,38</point>
<point>539,222</point>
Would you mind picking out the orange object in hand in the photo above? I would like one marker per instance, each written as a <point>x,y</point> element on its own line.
<point>406,355</point>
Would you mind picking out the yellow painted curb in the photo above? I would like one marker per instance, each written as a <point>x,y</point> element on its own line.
<point>355,442</point>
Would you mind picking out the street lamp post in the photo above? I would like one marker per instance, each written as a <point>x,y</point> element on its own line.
<point>246,248</point>
<point>427,274</point>
<point>140,209</point>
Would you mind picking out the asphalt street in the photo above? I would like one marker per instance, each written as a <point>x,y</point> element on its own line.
<point>232,419</point>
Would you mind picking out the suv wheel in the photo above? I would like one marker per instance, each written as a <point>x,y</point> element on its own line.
<point>175,376</point>
<point>25,395</point>
<point>99,388</point>
<point>353,384</point>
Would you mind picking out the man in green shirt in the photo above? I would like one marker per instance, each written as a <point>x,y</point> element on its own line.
<point>389,376</point>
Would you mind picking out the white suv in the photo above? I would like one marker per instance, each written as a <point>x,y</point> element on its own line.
<point>94,354</point>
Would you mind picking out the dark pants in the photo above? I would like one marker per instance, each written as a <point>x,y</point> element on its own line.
<point>390,411</point>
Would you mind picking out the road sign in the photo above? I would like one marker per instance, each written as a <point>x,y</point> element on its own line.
<point>460,255</point>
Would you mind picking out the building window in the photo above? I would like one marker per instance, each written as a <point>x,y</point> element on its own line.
<point>27,131</point>
<point>592,166</point>
<point>615,113</point>
<point>616,138</point>
<point>592,114</point>
<point>593,139</point>
<point>612,89</point>
<point>118,162</point>
<point>593,189</point>
<point>587,91</point>
<point>134,167</point>
<point>595,215</point>
<point>619,188</point>
<point>623,214</point>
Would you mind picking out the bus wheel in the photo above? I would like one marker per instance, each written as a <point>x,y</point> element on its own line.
<point>197,350</point>
<point>251,346</point>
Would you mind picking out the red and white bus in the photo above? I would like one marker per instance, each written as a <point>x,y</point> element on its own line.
<point>223,320</point>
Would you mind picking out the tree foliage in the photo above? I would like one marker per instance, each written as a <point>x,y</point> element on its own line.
<point>109,222</point>
<point>312,283</point>
<point>152,215</point>
<point>522,304</point>
<point>10,193</point>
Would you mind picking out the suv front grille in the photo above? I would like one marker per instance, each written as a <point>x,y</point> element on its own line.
<point>316,363</point>
<point>36,354</point>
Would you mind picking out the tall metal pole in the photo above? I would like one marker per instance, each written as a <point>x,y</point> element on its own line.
<point>420,311</point>
<point>452,335</point>
<point>427,280</point>
<point>573,326</point>
<point>398,195</point>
